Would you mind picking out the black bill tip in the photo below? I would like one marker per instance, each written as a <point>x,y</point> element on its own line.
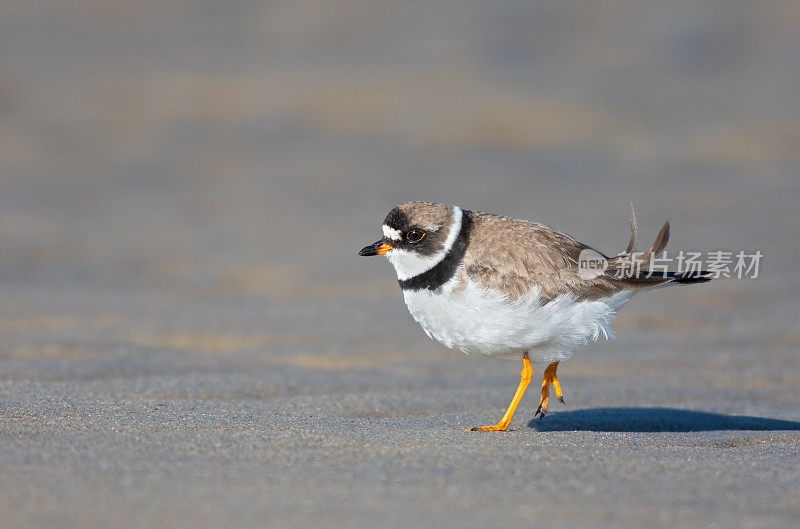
<point>376,248</point>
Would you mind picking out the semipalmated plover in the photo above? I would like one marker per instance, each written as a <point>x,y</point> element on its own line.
<point>497,286</point>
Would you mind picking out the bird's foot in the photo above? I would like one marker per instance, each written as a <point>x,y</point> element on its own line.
<point>525,379</point>
<point>495,428</point>
<point>541,411</point>
<point>549,378</point>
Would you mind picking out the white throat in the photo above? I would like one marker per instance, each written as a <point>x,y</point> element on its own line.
<point>411,264</point>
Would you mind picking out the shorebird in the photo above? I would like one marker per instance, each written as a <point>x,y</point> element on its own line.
<point>497,286</point>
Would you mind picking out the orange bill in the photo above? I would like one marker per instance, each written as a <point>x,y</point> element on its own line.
<point>376,248</point>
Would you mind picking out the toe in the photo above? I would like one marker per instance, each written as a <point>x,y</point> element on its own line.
<point>485,429</point>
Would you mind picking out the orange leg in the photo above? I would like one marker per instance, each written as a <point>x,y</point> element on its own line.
<point>525,379</point>
<point>550,377</point>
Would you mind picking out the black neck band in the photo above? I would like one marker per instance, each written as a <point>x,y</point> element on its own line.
<point>446,268</point>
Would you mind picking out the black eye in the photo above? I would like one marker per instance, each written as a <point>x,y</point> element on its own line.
<point>415,235</point>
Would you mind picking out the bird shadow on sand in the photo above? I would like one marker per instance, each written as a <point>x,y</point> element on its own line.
<point>654,420</point>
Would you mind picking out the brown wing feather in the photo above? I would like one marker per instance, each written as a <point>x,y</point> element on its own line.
<point>515,256</point>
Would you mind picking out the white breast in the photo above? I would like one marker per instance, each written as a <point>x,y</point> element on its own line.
<point>476,320</point>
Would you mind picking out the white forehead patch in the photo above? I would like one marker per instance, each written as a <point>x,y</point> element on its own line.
<point>391,233</point>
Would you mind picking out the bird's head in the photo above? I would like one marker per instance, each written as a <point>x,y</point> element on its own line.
<point>416,236</point>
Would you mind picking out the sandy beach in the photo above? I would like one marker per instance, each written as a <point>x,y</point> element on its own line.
<point>189,339</point>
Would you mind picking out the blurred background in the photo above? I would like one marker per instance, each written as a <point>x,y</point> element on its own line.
<point>184,187</point>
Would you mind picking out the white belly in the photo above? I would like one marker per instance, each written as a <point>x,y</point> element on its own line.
<point>475,320</point>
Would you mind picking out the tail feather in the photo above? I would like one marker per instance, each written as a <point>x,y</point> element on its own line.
<point>644,259</point>
<point>634,231</point>
<point>690,277</point>
<point>655,249</point>
<point>645,279</point>
<point>660,243</point>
